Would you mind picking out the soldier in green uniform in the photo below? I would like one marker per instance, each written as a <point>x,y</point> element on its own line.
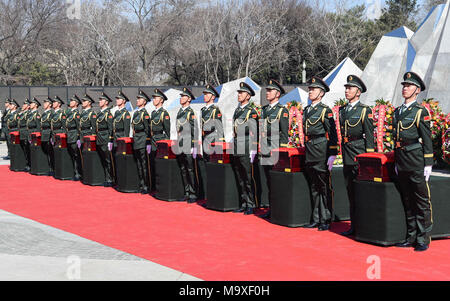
<point>141,144</point>
<point>57,122</point>
<point>12,122</point>
<point>33,119</point>
<point>23,131</point>
<point>46,128</point>
<point>159,128</point>
<point>245,148</point>
<point>72,126</point>
<point>211,124</point>
<point>356,123</point>
<point>414,161</point>
<point>122,119</point>
<point>187,132</point>
<point>104,131</point>
<point>274,133</point>
<point>321,150</point>
<point>5,117</point>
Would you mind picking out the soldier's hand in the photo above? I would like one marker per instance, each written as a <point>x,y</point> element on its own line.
<point>252,156</point>
<point>330,162</point>
<point>194,152</point>
<point>79,143</point>
<point>110,146</point>
<point>149,149</point>
<point>427,172</point>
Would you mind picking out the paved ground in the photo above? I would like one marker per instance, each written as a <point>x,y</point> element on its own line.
<point>33,251</point>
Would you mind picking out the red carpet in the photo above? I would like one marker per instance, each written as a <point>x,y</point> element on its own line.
<point>208,244</point>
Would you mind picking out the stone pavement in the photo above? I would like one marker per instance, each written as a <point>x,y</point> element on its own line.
<point>31,251</point>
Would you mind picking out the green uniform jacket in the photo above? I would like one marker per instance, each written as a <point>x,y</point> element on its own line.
<point>412,154</point>
<point>141,129</point>
<point>46,125</point>
<point>104,128</point>
<point>121,124</point>
<point>12,122</point>
<point>58,122</point>
<point>159,126</point>
<point>212,127</point>
<point>87,123</point>
<point>245,125</point>
<point>72,125</point>
<point>33,123</point>
<point>276,116</point>
<point>23,130</point>
<point>357,132</point>
<point>186,119</point>
<point>320,133</point>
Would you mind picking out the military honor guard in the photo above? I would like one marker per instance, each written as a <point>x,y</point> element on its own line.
<point>141,143</point>
<point>159,128</point>
<point>121,120</point>
<point>245,148</point>
<point>211,123</point>
<point>72,128</point>
<point>23,131</point>
<point>58,123</point>
<point>12,122</point>
<point>5,117</point>
<point>87,118</point>
<point>356,123</point>
<point>34,118</point>
<point>321,150</point>
<point>274,129</point>
<point>104,132</point>
<point>413,162</point>
<point>46,129</point>
<point>187,146</point>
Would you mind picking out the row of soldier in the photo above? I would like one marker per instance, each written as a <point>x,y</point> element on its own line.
<point>413,152</point>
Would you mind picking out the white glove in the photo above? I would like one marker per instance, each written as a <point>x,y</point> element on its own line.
<point>194,152</point>
<point>252,156</point>
<point>52,142</point>
<point>330,163</point>
<point>110,146</point>
<point>396,170</point>
<point>149,149</point>
<point>79,143</point>
<point>427,172</point>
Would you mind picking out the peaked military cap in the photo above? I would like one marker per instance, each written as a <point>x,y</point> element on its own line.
<point>121,95</point>
<point>86,97</point>
<point>7,101</point>
<point>244,87</point>
<point>48,99</point>
<point>415,79</point>
<point>36,101</point>
<point>187,92</point>
<point>14,102</point>
<point>354,81</point>
<point>317,82</point>
<point>58,99</point>
<point>105,97</point>
<point>210,89</point>
<point>159,93</point>
<point>274,85</point>
<point>142,94</point>
<point>27,101</point>
<point>75,98</point>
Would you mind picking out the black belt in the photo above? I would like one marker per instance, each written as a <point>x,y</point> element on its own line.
<point>312,137</point>
<point>351,139</point>
<point>403,143</point>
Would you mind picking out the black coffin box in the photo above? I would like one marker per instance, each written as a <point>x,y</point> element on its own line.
<point>289,159</point>
<point>127,179</point>
<point>380,216</point>
<point>376,167</point>
<point>39,162</point>
<point>164,149</point>
<point>17,156</point>
<point>340,202</point>
<point>222,153</point>
<point>290,199</point>
<point>93,172</point>
<point>169,185</point>
<point>223,192</point>
<point>63,161</point>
